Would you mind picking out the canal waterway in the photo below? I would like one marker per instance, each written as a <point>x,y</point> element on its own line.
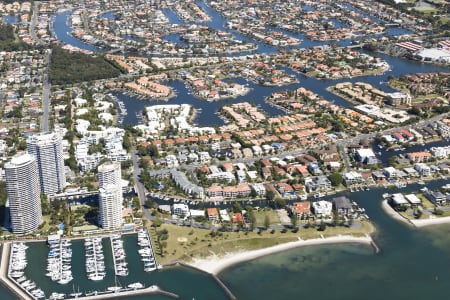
<point>208,116</point>
<point>412,264</point>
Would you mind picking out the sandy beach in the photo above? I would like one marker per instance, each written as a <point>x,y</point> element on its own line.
<point>394,214</point>
<point>430,221</point>
<point>214,264</point>
<point>416,223</point>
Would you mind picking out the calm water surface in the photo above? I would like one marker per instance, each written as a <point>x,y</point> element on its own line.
<point>412,264</point>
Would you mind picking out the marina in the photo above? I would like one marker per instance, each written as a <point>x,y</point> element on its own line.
<point>95,265</point>
<point>120,264</point>
<point>59,262</point>
<point>146,252</point>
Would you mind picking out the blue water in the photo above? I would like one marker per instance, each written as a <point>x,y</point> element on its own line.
<point>413,264</point>
<point>60,27</point>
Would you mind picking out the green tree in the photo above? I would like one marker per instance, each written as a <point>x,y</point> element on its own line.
<point>336,179</point>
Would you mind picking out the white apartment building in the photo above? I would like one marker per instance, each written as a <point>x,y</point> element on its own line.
<point>111,196</point>
<point>24,193</point>
<point>109,173</point>
<point>110,207</point>
<point>47,148</point>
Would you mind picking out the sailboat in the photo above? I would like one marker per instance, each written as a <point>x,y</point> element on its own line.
<point>115,288</point>
<point>75,294</point>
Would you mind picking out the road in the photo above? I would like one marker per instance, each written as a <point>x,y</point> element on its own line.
<point>46,94</point>
<point>140,189</point>
<point>34,18</point>
<point>341,144</point>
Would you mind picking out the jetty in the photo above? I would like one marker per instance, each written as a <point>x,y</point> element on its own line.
<point>120,265</point>
<point>146,252</point>
<point>95,265</point>
<point>154,289</point>
<point>4,263</point>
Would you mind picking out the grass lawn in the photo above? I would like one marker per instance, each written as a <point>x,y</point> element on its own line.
<point>445,20</point>
<point>425,202</point>
<point>261,216</point>
<point>184,243</point>
<point>426,10</point>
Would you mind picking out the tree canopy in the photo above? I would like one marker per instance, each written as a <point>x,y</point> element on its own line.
<point>74,67</point>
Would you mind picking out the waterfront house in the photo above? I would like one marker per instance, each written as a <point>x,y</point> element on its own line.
<point>390,172</point>
<point>318,183</point>
<point>301,210</point>
<point>180,209</point>
<point>213,214</point>
<point>397,200</point>
<point>351,178</point>
<point>422,169</point>
<point>436,197</point>
<point>413,200</point>
<point>419,156</point>
<point>238,218</point>
<point>322,208</point>
<point>342,205</point>
<point>366,156</point>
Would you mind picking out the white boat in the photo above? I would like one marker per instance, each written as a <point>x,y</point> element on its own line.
<point>57,296</point>
<point>150,269</point>
<point>65,280</point>
<point>421,182</point>
<point>96,277</point>
<point>38,293</point>
<point>136,285</point>
<point>16,274</point>
<point>114,289</point>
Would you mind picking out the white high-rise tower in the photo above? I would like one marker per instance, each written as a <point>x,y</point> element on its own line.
<point>111,198</point>
<point>109,173</point>
<point>49,155</point>
<point>24,193</point>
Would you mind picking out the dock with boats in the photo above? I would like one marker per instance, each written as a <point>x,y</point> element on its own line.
<point>146,252</point>
<point>59,261</point>
<point>16,268</point>
<point>120,264</point>
<point>95,263</point>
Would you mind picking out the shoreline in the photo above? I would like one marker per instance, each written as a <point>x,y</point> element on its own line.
<point>215,264</point>
<point>419,223</point>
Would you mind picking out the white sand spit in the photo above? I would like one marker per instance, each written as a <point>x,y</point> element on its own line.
<point>214,264</point>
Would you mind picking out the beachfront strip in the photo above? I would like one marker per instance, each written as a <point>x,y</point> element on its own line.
<point>424,208</point>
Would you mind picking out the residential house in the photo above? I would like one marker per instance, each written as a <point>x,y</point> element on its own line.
<point>342,205</point>
<point>301,210</point>
<point>322,208</point>
<point>318,183</point>
<point>213,214</point>
<point>422,169</point>
<point>351,178</point>
<point>238,218</point>
<point>366,156</point>
<point>180,209</point>
<point>413,200</point>
<point>436,197</point>
<point>419,156</point>
<point>397,199</point>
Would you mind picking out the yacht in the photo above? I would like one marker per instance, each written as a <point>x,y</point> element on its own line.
<point>136,285</point>
<point>57,296</point>
<point>16,274</point>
